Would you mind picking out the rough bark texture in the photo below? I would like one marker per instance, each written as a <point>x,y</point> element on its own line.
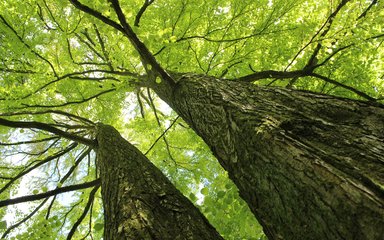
<point>139,201</point>
<point>309,166</point>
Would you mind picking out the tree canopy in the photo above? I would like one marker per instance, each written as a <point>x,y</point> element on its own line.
<point>66,65</point>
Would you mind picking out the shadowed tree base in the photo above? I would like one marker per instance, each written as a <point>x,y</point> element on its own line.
<point>139,201</point>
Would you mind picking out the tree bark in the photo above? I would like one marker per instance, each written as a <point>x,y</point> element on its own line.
<point>139,201</point>
<point>310,166</point>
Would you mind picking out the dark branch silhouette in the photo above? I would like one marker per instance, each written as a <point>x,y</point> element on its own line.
<point>31,214</point>
<point>85,211</point>
<point>38,164</point>
<point>146,4</point>
<point>68,103</point>
<point>39,196</point>
<point>48,128</point>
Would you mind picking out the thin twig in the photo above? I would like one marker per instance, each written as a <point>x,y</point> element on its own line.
<point>85,212</point>
<point>164,132</point>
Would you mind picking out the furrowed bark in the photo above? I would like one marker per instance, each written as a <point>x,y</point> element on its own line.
<point>139,201</point>
<point>309,166</point>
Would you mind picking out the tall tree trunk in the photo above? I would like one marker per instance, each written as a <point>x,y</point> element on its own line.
<point>309,166</point>
<point>139,201</point>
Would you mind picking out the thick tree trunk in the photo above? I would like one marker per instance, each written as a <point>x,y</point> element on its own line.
<point>139,201</point>
<point>309,166</point>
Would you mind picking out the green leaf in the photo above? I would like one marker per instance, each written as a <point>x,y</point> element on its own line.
<point>173,39</point>
<point>98,226</point>
<point>204,191</point>
<point>192,197</point>
<point>220,194</point>
<point>3,224</point>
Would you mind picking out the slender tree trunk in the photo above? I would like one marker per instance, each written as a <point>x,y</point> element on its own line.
<point>309,166</point>
<point>139,201</point>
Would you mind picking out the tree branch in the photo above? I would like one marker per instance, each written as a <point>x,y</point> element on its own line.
<point>67,175</point>
<point>48,128</point>
<point>326,26</point>
<point>27,45</point>
<point>24,220</point>
<point>85,211</point>
<point>39,196</point>
<point>146,56</point>
<point>69,115</point>
<point>41,162</point>
<point>299,73</point>
<point>166,130</point>
<point>103,49</point>
<point>359,93</point>
<point>146,4</point>
<point>97,15</point>
<point>271,74</point>
<point>29,142</point>
<point>69,75</point>
<point>9,70</point>
<point>374,2</point>
<point>69,103</point>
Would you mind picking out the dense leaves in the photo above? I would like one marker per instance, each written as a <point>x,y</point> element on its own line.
<point>56,57</point>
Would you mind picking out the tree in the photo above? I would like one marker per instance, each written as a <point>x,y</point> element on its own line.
<point>308,165</point>
<point>139,201</point>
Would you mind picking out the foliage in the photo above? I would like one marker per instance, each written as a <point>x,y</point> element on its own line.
<point>55,57</point>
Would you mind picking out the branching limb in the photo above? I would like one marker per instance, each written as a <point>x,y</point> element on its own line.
<point>52,16</point>
<point>41,16</point>
<point>159,124</point>
<point>72,169</point>
<point>325,28</point>
<point>27,45</point>
<point>30,142</point>
<point>141,106</point>
<point>67,175</point>
<point>10,70</point>
<point>59,112</point>
<point>146,56</point>
<point>40,163</point>
<point>85,211</point>
<point>89,45</point>
<point>48,128</point>
<point>68,103</point>
<point>271,74</point>
<point>84,73</point>
<point>40,153</point>
<point>97,15</point>
<point>16,225</point>
<point>225,71</point>
<point>374,2</point>
<point>229,40</point>
<point>39,196</point>
<point>359,93</point>
<point>166,130</point>
<point>296,74</point>
<point>146,4</point>
<point>333,54</point>
<point>103,49</point>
